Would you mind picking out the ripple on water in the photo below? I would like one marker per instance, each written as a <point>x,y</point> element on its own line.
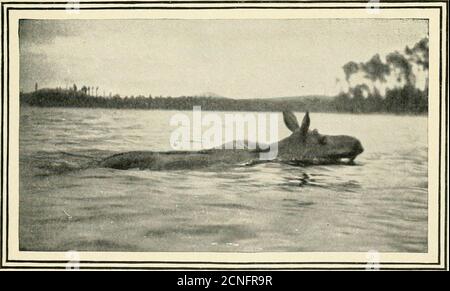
<point>221,232</point>
<point>230,206</point>
<point>380,203</point>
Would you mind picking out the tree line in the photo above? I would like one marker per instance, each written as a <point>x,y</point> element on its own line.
<point>70,98</point>
<point>401,95</point>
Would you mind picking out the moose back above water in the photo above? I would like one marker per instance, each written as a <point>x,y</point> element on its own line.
<point>303,146</point>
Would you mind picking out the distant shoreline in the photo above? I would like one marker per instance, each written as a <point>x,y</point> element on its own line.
<point>403,103</point>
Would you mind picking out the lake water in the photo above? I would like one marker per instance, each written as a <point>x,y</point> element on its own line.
<point>380,203</point>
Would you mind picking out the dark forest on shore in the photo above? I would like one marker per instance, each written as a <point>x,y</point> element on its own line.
<point>365,97</point>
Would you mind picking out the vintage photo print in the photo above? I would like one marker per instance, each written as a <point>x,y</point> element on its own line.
<point>224,135</point>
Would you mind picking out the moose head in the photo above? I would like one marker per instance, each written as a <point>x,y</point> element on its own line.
<point>304,145</point>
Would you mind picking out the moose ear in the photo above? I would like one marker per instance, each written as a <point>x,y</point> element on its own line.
<point>290,120</point>
<point>305,124</point>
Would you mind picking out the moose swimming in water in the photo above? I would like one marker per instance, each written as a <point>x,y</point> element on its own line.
<point>303,146</point>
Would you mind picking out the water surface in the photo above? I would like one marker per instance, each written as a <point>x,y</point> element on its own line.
<point>378,204</point>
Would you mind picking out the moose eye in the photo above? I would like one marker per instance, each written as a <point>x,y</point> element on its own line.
<point>322,140</point>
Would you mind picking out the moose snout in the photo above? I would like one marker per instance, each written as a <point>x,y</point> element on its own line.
<point>357,147</point>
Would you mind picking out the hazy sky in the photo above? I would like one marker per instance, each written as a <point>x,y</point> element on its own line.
<point>232,58</point>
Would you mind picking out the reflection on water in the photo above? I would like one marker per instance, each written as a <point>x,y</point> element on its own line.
<point>66,203</point>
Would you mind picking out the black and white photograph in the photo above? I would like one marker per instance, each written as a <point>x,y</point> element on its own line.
<point>226,131</point>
